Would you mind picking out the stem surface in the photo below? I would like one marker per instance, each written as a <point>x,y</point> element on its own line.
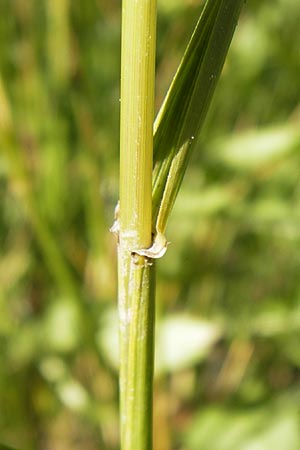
<point>136,273</point>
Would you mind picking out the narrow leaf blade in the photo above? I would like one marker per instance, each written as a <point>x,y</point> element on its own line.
<point>187,101</point>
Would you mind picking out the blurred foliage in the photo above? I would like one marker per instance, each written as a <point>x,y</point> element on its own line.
<point>229,283</point>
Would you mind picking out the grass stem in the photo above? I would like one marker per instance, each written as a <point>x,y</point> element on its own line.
<point>136,273</point>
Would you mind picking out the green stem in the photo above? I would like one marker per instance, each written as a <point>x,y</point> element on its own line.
<point>136,273</point>
<point>136,310</point>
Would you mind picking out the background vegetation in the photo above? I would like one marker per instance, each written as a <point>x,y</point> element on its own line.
<point>228,354</point>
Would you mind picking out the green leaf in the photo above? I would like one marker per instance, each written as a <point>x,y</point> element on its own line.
<point>182,341</point>
<point>186,104</point>
<point>254,149</point>
<point>271,427</point>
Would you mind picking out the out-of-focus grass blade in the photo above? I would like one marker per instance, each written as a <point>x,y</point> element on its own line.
<point>5,447</point>
<point>184,109</point>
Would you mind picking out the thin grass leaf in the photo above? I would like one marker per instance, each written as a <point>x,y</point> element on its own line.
<point>186,104</point>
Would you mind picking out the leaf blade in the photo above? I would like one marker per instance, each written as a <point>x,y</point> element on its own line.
<point>186,104</point>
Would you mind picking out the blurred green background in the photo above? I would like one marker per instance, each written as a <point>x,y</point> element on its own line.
<point>228,300</point>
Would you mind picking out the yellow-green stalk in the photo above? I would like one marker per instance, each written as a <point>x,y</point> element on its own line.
<point>136,272</point>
